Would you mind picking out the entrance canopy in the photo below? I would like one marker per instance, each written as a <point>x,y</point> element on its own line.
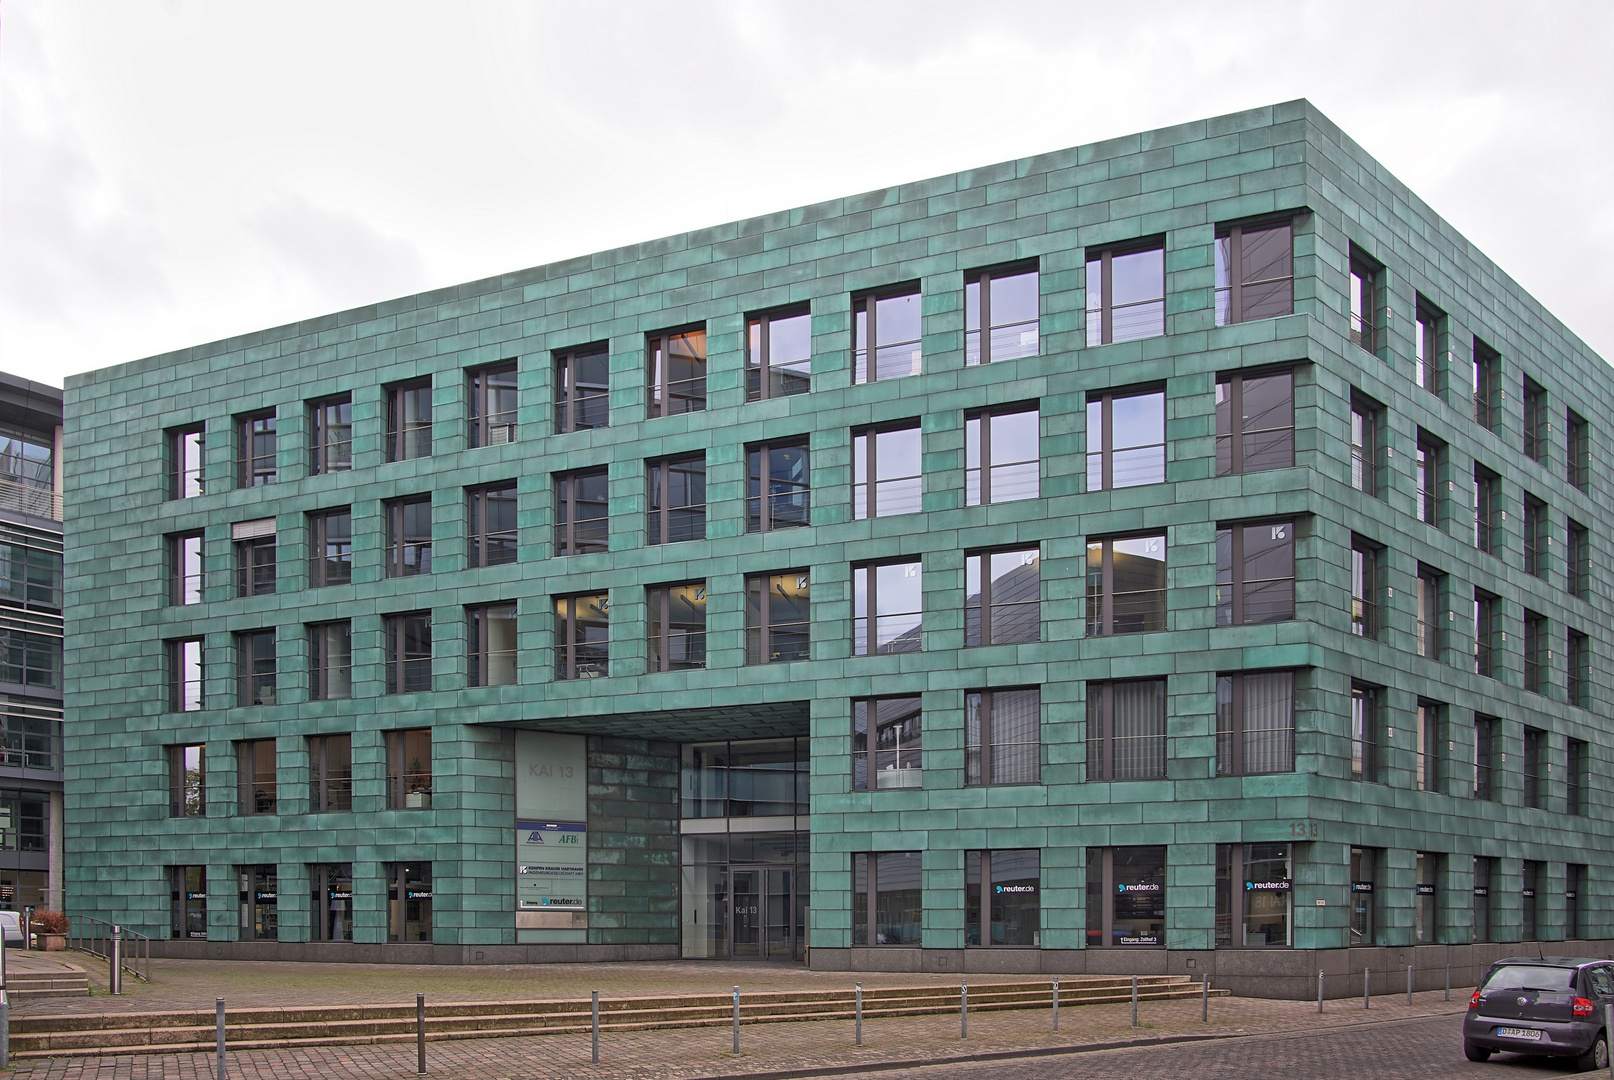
<point>695,723</point>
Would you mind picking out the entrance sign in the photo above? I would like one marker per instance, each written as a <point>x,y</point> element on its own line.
<point>551,834</point>
<point>552,868</point>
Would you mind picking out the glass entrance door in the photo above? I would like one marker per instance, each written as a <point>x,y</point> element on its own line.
<point>763,918</point>
<point>745,913</point>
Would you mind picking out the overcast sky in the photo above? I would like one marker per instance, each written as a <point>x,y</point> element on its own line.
<point>175,172</point>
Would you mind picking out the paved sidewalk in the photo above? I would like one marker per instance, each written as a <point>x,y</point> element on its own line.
<point>798,1048</point>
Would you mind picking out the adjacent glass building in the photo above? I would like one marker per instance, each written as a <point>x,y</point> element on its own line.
<point>1095,562</point>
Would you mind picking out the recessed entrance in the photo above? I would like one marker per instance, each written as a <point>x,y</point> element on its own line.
<point>766,913</point>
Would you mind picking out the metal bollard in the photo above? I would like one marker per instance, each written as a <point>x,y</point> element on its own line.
<point>218,1069</point>
<point>857,1014</point>
<point>115,963</point>
<point>1367,983</point>
<point>1448,982</point>
<point>1409,985</point>
<point>964,1009</point>
<point>1319,993</point>
<point>420,1034</point>
<point>1134,1001</point>
<point>736,1021</point>
<point>27,928</point>
<point>1204,998</point>
<point>1056,1004</point>
<point>594,1028</point>
<point>5,1030</point>
<point>1608,1026</point>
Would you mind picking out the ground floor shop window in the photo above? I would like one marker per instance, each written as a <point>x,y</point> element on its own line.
<point>1253,887</point>
<point>1126,896</point>
<point>260,903</point>
<point>187,902</point>
<point>1426,915</point>
<point>1574,885</point>
<point>887,906</point>
<point>1529,930</point>
<point>1364,872</point>
<point>1003,898</point>
<point>332,885</point>
<point>22,888</point>
<point>1484,873</point>
<point>409,901</point>
<point>744,894</point>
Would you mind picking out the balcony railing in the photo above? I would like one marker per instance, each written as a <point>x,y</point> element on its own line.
<point>20,498</point>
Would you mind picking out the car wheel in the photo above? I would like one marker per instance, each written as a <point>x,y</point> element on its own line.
<point>1477,1053</point>
<point>1596,1056</point>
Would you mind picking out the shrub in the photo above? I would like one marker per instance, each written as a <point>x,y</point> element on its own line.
<point>47,921</point>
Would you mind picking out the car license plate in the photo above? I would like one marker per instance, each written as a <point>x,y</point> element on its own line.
<point>1532,1034</point>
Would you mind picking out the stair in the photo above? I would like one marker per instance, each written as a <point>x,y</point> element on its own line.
<point>278,1028</point>
<point>38,985</point>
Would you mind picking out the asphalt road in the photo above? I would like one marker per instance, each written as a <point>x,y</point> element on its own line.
<point>1425,1049</point>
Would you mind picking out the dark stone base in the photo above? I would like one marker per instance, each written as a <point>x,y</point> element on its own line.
<point>346,952</point>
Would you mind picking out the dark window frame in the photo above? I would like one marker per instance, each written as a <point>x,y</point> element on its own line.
<point>979,440</point>
<point>1487,731</point>
<point>1105,308</point>
<point>187,787</point>
<point>488,546</point>
<point>978,343</point>
<point>411,782</point>
<point>760,369</point>
<point>1367,587</point>
<point>761,513</point>
<point>1367,731</point>
<point>578,658</point>
<point>1533,767</point>
<point>403,664</point>
<point>485,388</point>
<point>1487,385</point>
<point>1231,258</point>
<point>255,677</point>
<point>1578,660</point>
<point>662,514</point>
<point>1487,504</point>
<point>1430,629</point>
<point>1236,440</point>
<point>1104,623</point>
<point>328,453</point>
<point>1536,525</point>
<point>405,549</point>
<point>866,332</point>
<point>251,798</point>
<point>1238,580</point>
<point>1101,743</point>
<point>1577,776</point>
<point>408,440</point>
<point>987,622</point>
<point>180,583</point>
<point>1366,444</point>
<point>661,400</point>
<point>1367,297</point>
<point>881,738</point>
<point>866,494</point>
<point>1105,400</point>
<point>330,787</point>
<point>257,462</point>
<point>866,641</point>
<point>1578,451</point>
<point>1429,466</point>
<point>660,623</point>
<point>177,683</point>
<point>567,541</point>
<point>983,895</point>
<point>400,897</point>
<point>320,664</point>
<point>1537,646</point>
<point>1537,422</point>
<point>987,744</point>
<point>865,924</point>
<point>1577,560</point>
<point>575,402</point>
<point>480,669</point>
<point>1232,738</point>
<point>760,634</point>
<point>1429,727</point>
<point>320,544</point>
<point>255,566</point>
<point>185,480</point>
<point>1487,616</point>
<point>1429,345</point>
<point>259,897</point>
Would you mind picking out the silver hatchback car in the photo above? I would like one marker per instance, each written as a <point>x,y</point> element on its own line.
<point>1551,1006</point>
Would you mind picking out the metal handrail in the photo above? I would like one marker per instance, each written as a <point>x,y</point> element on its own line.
<point>94,936</point>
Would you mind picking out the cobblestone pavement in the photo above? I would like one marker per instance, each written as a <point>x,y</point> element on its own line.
<point>1283,1031</point>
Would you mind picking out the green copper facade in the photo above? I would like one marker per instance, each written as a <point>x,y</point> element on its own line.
<point>1077,217</point>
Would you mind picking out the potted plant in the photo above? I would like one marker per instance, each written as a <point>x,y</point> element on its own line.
<point>52,928</point>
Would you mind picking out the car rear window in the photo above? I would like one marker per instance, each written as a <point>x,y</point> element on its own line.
<point>1532,977</point>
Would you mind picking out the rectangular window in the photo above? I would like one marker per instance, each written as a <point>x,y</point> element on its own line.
<point>409,901</point>
<point>409,420</point>
<point>1126,440</point>
<point>1578,560</point>
<point>330,435</point>
<point>1430,625</point>
<point>255,566</point>
<point>187,787</point>
<point>1364,896</point>
<point>776,617</point>
<point>1576,776</point>
<point>1255,423</point>
<point>31,659</point>
<point>886,477</point>
<point>1002,597</point>
<point>493,524</point>
<point>1537,538</point>
<point>1431,725</point>
<point>1126,585</point>
<point>778,486</point>
<point>31,568</point>
<point>1003,736</point>
<point>1002,455</point>
<point>582,512</point>
<point>1366,586</point>
<point>1488,512</point>
<point>1537,653</point>
<point>332,895</point>
<point>1255,272</point>
<point>1578,690</point>
<point>185,462</point>
<point>1365,725</point>
<point>259,902</point>
<point>1485,757</point>
<point>1574,889</point>
<point>255,437</point>
<point>255,668</point>
<point>582,636</point>
<point>185,675</point>
<point>1000,314</point>
<point>1528,928</point>
<point>1429,465</point>
<point>1428,343</point>
<point>255,771</point>
<point>492,415</point>
<point>409,536</point>
<point>677,499</point>
<point>1579,458</point>
<point>1426,913</point>
<point>1484,874</point>
<point>1126,896</point>
<point>409,769</point>
<point>887,899</point>
<point>187,902</point>
<point>894,760</point>
<point>1486,617</point>
<point>1255,573</point>
<point>186,581</point>
<point>492,629</point>
<point>778,353</point>
<point>677,616</point>
<point>886,324</point>
<point>1253,888</point>
<point>1537,422</point>
<point>582,388</point>
<point>331,660</point>
<point>330,774</point>
<point>677,370</point>
<point>331,546</point>
<point>887,600</point>
<point>1367,420</point>
<point>1487,385</point>
<point>1002,898</point>
<point>1255,723</point>
<point>1367,300</point>
<point>1126,730</point>
<point>1126,293</point>
<point>409,652</point>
